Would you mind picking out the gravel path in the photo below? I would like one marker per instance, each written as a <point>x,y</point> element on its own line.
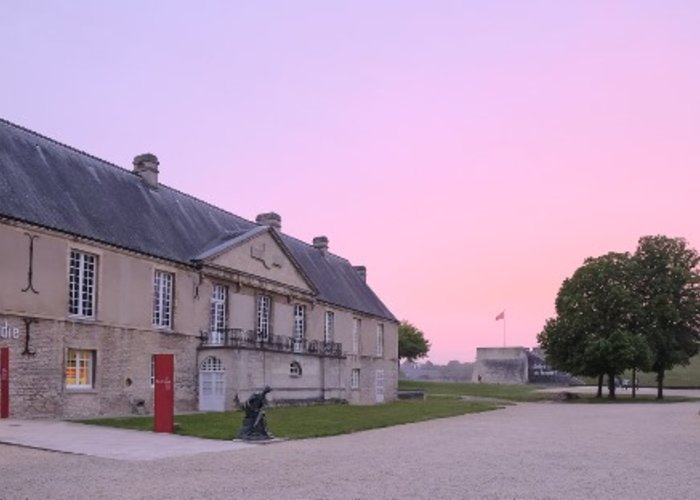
<point>527,451</point>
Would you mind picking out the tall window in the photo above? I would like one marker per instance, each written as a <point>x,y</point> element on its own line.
<point>356,327</point>
<point>328,326</point>
<point>79,368</point>
<point>355,379</point>
<point>299,326</point>
<point>380,339</point>
<point>263,315</point>
<point>82,284</point>
<point>163,299</point>
<point>217,320</point>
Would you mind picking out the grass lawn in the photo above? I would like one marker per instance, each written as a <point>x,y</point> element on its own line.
<point>679,377</point>
<point>312,421</point>
<point>444,400</point>
<point>499,391</point>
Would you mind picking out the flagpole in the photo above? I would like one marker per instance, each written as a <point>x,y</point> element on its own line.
<point>504,330</point>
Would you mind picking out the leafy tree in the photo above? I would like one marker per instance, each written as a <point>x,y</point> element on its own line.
<point>669,288</point>
<point>412,342</point>
<point>594,331</point>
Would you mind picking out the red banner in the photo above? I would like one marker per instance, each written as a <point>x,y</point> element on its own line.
<point>163,413</point>
<point>4,382</point>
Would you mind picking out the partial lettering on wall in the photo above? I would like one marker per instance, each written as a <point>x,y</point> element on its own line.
<point>8,332</point>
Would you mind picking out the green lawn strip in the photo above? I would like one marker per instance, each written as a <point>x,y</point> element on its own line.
<point>522,392</point>
<point>679,377</point>
<point>312,421</point>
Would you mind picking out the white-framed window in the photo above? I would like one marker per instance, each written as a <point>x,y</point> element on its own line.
<point>217,316</point>
<point>81,284</point>
<point>299,326</point>
<point>356,328</point>
<point>263,317</point>
<point>163,299</point>
<point>328,326</point>
<point>294,369</point>
<point>380,339</point>
<point>80,366</point>
<point>355,378</point>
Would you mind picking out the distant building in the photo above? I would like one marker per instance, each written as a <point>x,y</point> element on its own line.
<point>102,267</point>
<point>516,365</point>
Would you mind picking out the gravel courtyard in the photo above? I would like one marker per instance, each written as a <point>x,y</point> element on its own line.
<point>528,451</point>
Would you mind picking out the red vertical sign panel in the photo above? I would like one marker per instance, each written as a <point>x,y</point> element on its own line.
<point>4,382</point>
<point>163,412</point>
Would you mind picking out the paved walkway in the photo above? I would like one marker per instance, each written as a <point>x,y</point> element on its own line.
<point>123,444</point>
<point>527,451</point>
<point>105,442</point>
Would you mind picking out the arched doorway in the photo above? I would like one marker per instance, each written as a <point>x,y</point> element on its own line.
<point>212,385</point>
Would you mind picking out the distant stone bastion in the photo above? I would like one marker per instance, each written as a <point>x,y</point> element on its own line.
<point>516,365</point>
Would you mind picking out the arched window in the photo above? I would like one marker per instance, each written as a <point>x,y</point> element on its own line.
<point>211,364</point>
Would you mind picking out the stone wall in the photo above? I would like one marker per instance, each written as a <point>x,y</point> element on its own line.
<point>322,378</point>
<point>121,374</point>
<point>501,365</point>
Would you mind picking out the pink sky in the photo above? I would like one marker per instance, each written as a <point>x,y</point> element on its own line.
<point>470,154</point>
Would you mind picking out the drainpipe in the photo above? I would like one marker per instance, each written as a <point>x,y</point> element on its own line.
<point>323,377</point>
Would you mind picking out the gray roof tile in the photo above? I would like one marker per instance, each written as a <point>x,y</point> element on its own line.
<point>49,184</point>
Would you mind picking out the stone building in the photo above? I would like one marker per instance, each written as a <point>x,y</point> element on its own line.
<point>103,267</point>
<point>517,365</point>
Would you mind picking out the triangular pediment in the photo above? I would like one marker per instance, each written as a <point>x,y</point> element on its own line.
<point>260,253</point>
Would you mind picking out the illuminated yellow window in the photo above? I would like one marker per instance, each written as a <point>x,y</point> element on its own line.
<point>79,368</point>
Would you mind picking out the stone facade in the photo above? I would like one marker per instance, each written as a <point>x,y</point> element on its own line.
<point>102,268</point>
<point>501,365</point>
<point>123,339</point>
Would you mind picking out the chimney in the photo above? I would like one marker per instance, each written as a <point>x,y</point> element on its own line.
<point>361,271</point>
<point>271,219</point>
<point>321,242</point>
<point>146,167</point>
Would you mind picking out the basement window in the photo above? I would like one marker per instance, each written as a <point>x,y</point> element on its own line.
<point>294,369</point>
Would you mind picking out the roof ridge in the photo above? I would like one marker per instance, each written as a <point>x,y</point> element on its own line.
<point>114,165</point>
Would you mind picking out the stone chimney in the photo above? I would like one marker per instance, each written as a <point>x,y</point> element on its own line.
<point>146,167</point>
<point>361,271</point>
<point>321,242</point>
<point>271,219</point>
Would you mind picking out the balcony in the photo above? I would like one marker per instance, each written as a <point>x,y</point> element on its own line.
<point>237,338</point>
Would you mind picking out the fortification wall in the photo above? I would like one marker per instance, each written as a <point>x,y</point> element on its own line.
<point>501,365</point>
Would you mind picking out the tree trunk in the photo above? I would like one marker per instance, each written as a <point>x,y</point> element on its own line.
<point>599,394</point>
<point>634,383</point>
<point>660,386</point>
<point>611,385</point>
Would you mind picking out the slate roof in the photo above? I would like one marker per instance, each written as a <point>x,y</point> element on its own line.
<point>49,184</point>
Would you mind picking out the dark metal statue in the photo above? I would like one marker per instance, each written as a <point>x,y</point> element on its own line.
<point>255,422</point>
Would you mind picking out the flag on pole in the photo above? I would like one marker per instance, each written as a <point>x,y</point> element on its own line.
<point>501,316</point>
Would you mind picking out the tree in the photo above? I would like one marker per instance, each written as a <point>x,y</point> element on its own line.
<point>669,288</point>
<point>594,332</point>
<point>412,342</point>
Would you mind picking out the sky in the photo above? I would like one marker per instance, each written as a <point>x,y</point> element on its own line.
<point>471,154</point>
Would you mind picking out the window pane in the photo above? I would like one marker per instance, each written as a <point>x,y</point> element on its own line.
<point>79,368</point>
<point>162,299</point>
<point>81,284</point>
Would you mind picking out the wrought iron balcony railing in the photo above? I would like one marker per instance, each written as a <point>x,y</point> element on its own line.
<point>249,339</point>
